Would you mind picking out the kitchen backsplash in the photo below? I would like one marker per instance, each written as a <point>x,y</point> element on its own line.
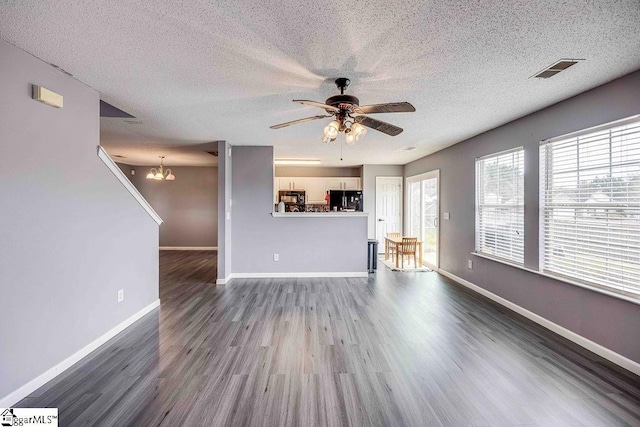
<point>317,208</point>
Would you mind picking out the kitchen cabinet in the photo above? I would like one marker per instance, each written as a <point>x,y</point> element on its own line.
<point>351,184</point>
<point>291,184</point>
<point>315,191</point>
<point>333,183</point>
<point>345,183</point>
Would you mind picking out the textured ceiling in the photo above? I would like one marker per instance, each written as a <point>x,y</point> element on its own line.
<point>199,71</point>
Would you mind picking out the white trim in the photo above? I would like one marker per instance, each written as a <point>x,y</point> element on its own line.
<point>593,347</point>
<point>107,160</point>
<point>298,275</point>
<point>561,279</point>
<point>188,248</point>
<point>22,392</point>
<point>223,281</point>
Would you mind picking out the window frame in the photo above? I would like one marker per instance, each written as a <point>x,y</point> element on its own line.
<point>518,207</point>
<point>543,217</point>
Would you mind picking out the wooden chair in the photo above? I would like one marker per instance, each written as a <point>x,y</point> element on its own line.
<point>409,247</point>
<point>392,245</point>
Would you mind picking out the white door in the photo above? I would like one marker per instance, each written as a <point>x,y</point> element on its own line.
<point>388,207</point>
<point>423,207</point>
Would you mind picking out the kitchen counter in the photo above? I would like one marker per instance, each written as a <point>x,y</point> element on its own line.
<point>315,214</point>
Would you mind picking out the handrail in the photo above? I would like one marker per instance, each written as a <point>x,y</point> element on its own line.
<point>104,156</point>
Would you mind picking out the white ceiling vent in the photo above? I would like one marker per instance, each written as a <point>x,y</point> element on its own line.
<point>556,67</point>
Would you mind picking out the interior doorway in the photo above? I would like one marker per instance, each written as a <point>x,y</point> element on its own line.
<point>388,207</point>
<point>423,207</point>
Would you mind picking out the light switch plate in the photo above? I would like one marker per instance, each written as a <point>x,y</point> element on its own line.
<point>446,215</point>
<point>469,264</point>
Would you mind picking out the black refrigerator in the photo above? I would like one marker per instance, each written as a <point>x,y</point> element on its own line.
<point>341,200</point>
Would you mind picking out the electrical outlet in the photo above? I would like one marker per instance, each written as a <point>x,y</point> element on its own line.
<point>121,295</point>
<point>228,215</point>
<point>276,257</point>
<point>469,264</point>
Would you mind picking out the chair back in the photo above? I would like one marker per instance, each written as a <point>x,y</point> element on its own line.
<point>409,245</point>
<point>393,235</point>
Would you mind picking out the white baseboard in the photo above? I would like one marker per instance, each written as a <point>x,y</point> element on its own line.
<point>188,248</point>
<point>297,275</point>
<point>594,347</point>
<point>223,281</point>
<point>19,394</point>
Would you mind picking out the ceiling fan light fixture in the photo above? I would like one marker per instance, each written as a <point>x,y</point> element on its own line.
<point>350,137</point>
<point>332,129</point>
<point>358,131</point>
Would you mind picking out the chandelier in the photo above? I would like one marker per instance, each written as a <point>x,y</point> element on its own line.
<point>161,173</point>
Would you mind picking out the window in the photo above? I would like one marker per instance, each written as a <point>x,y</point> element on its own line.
<point>500,205</point>
<point>590,206</point>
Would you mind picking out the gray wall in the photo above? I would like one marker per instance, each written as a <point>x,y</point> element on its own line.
<point>224,209</point>
<point>332,244</point>
<point>369,174</point>
<point>611,322</point>
<point>71,234</point>
<point>316,171</point>
<point>188,206</point>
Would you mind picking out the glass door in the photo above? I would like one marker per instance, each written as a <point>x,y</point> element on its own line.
<point>423,214</point>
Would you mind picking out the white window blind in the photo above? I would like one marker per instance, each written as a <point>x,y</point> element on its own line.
<point>500,205</point>
<point>590,206</point>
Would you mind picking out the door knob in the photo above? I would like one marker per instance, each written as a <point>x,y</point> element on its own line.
<point>380,220</point>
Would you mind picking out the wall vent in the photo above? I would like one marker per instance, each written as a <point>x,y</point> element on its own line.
<point>556,67</point>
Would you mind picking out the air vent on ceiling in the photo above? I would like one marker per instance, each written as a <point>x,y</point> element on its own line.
<point>407,149</point>
<point>119,156</point>
<point>556,67</point>
<point>213,153</point>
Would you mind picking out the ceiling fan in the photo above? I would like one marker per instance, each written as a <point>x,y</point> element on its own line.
<point>350,117</point>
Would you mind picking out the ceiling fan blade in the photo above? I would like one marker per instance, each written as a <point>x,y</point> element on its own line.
<point>317,104</point>
<point>378,125</point>
<point>295,122</point>
<point>391,107</point>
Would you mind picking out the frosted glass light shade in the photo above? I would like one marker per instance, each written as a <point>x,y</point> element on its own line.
<point>350,138</point>
<point>358,131</point>
<point>331,131</point>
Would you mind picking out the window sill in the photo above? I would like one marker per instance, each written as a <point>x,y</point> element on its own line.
<point>625,297</point>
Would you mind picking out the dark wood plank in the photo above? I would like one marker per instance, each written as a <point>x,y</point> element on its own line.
<point>393,349</point>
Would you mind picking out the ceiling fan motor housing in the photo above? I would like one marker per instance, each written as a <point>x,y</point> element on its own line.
<point>343,102</point>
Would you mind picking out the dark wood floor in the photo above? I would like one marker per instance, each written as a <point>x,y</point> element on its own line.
<point>394,349</point>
